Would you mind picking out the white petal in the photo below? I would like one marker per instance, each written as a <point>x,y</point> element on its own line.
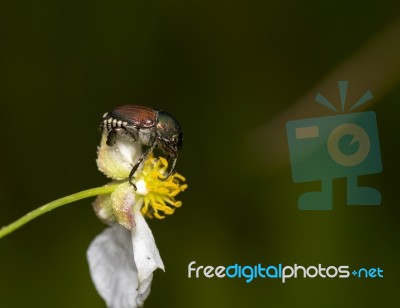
<point>129,150</point>
<point>122,201</point>
<point>113,269</point>
<point>146,254</point>
<point>102,207</point>
<point>116,161</point>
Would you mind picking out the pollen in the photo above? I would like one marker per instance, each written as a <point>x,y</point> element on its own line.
<point>159,196</point>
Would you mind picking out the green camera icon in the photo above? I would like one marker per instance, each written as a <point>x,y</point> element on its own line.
<point>325,148</point>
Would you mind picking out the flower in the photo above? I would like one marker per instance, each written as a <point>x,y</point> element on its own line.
<point>124,256</point>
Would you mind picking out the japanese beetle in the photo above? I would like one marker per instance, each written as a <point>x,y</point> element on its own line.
<point>146,126</point>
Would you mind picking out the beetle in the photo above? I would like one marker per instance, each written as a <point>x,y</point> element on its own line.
<point>146,126</point>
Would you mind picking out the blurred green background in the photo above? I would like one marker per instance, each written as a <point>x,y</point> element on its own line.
<point>223,69</point>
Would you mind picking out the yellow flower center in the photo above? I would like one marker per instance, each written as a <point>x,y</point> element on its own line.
<point>160,198</point>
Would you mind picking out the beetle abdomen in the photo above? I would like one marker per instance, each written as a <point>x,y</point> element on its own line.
<point>110,122</point>
<point>132,122</point>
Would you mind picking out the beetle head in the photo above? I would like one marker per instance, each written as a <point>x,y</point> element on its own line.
<point>169,134</point>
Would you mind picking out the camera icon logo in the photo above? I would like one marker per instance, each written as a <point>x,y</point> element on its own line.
<point>325,148</point>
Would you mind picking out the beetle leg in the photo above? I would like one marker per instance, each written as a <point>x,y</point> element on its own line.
<point>117,131</point>
<point>112,133</point>
<point>171,171</point>
<point>139,161</point>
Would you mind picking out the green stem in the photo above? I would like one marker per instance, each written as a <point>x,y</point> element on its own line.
<point>104,190</point>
